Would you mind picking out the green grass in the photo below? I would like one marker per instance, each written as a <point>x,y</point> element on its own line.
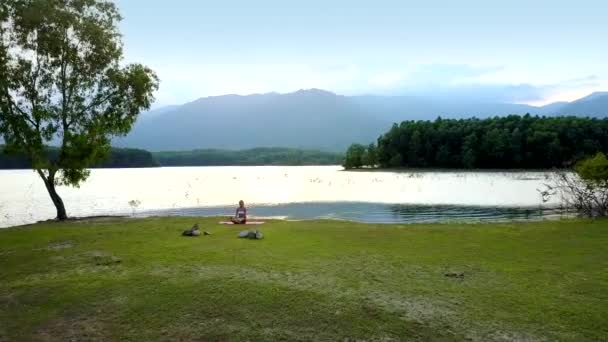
<point>139,280</point>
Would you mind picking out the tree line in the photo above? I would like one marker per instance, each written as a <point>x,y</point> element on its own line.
<point>255,156</point>
<point>130,157</point>
<point>511,142</point>
<point>116,158</point>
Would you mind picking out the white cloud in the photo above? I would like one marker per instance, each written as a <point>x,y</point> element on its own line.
<point>181,83</point>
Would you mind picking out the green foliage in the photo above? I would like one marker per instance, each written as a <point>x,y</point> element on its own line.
<point>396,161</point>
<point>443,155</point>
<point>468,151</point>
<point>594,170</point>
<point>530,142</point>
<point>255,156</point>
<point>61,78</point>
<point>370,157</point>
<point>128,157</point>
<point>354,156</point>
<point>358,156</point>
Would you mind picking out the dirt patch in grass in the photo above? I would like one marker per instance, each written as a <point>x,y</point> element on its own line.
<point>3,253</point>
<point>89,219</point>
<point>115,271</point>
<point>101,258</point>
<point>411,308</point>
<point>59,245</point>
<point>12,299</point>
<point>79,328</point>
<point>442,315</point>
<point>106,260</point>
<point>293,280</point>
<point>8,301</point>
<point>485,334</point>
<point>445,316</point>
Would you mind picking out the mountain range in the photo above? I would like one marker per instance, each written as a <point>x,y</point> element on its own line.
<point>314,118</point>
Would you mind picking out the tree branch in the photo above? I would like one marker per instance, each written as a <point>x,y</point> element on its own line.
<point>24,114</point>
<point>64,100</point>
<point>42,175</point>
<point>34,94</point>
<point>98,103</point>
<point>74,79</point>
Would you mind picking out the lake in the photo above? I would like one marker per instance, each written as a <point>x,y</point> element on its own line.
<point>292,192</point>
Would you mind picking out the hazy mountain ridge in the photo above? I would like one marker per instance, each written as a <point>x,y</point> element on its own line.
<point>314,118</point>
<point>595,104</point>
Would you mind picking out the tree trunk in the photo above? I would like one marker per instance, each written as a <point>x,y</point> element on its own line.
<point>49,182</point>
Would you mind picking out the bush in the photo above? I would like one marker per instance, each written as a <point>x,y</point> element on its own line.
<point>585,190</point>
<point>593,170</point>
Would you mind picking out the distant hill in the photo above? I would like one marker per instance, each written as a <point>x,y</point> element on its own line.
<point>313,119</point>
<point>595,104</point>
<point>158,111</point>
<point>554,108</point>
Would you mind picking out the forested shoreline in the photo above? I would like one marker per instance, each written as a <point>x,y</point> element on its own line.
<point>511,142</point>
<point>250,157</point>
<point>131,158</point>
<point>117,158</point>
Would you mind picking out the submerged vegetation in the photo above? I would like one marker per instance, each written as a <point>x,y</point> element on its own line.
<point>512,142</point>
<point>139,279</point>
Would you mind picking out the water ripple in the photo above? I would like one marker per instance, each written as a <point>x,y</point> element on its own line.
<point>378,212</point>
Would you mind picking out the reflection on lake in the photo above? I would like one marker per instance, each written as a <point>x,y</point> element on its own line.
<point>281,191</point>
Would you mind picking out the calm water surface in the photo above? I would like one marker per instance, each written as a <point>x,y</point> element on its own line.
<point>296,192</point>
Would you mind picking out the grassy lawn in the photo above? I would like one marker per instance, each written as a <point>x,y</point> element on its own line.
<point>139,280</point>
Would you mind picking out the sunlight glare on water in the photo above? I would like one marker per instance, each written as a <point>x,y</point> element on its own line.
<point>24,199</point>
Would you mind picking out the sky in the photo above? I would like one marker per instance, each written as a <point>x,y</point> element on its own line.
<point>533,51</point>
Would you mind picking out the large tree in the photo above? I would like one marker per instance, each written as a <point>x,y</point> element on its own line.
<point>62,82</point>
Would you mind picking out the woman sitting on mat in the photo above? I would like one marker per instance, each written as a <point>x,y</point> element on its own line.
<point>241,214</point>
